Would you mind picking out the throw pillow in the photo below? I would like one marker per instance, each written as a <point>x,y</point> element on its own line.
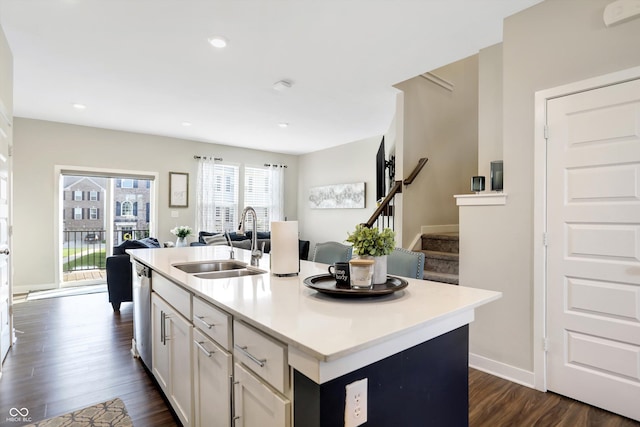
<point>218,239</point>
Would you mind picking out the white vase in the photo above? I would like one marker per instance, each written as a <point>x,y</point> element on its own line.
<point>181,242</point>
<point>379,270</point>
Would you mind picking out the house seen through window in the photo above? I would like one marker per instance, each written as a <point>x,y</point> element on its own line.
<point>89,224</point>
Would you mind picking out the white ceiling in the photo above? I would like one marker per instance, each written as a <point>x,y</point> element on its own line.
<point>145,65</point>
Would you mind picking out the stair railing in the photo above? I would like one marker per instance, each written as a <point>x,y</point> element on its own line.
<point>385,210</point>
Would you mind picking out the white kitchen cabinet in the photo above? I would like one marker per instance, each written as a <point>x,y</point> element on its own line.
<point>212,370</point>
<point>256,403</point>
<point>171,347</point>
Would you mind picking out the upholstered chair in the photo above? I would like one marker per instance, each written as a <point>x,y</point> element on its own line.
<point>405,263</point>
<point>331,252</point>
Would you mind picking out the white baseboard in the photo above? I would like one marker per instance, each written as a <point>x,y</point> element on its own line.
<point>502,370</point>
<point>25,289</point>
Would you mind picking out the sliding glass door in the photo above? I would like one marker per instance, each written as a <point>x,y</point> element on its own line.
<point>98,212</point>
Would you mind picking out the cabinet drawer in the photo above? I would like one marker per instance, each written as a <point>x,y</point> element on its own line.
<point>214,322</point>
<point>179,298</point>
<point>263,355</point>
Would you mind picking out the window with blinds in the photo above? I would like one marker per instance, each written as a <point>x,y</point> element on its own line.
<point>257,194</point>
<point>226,179</point>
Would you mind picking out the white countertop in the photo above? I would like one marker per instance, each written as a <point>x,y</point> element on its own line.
<point>326,336</point>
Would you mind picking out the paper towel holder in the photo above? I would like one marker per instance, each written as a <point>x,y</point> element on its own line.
<point>284,255</point>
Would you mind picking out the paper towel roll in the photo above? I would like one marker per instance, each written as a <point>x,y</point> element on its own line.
<point>285,255</point>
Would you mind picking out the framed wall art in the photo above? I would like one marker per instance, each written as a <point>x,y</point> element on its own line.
<point>178,190</point>
<point>338,196</point>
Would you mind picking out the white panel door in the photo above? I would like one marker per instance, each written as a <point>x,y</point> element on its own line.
<point>5,276</point>
<point>593,264</point>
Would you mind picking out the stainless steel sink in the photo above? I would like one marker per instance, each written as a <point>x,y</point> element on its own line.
<point>230,273</point>
<point>211,266</point>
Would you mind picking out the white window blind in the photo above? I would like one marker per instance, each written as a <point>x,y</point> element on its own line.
<point>226,197</point>
<point>217,196</point>
<point>257,194</point>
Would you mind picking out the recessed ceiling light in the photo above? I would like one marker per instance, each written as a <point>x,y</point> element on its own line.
<point>186,124</point>
<point>218,42</point>
<point>283,125</point>
<point>78,106</point>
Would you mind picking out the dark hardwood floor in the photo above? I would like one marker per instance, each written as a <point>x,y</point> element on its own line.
<point>75,352</point>
<point>497,402</point>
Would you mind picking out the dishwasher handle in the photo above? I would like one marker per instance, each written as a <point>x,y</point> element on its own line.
<point>142,270</point>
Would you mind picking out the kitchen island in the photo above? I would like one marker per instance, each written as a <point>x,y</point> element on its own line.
<point>412,345</point>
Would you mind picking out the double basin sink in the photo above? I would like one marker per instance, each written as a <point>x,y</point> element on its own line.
<point>219,269</point>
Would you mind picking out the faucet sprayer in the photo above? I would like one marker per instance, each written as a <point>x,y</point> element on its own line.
<point>256,253</point>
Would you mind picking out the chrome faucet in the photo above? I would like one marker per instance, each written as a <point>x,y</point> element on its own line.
<point>256,253</point>
<point>231,253</point>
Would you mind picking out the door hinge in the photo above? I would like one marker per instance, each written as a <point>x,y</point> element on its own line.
<point>545,239</point>
<point>545,344</point>
<point>546,132</point>
<point>10,150</point>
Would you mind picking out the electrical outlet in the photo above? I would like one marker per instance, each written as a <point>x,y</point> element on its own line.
<point>355,408</point>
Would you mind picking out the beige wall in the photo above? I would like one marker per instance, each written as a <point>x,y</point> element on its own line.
<point>553,43</point>
<point>489,110</point>
<point>443,126</point>
<point>40,146</point>
<point>349,163</point>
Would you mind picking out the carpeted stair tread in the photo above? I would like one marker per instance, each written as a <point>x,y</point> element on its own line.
<point>452,279</point>
<point>441,255</point>
<point>442,259</point>
<point>441,242</point>
<point>444,236</point>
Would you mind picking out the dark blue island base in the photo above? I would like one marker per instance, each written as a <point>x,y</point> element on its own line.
<point>426,385</point>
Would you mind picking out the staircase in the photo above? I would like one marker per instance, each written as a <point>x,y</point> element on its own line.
<point>441,257</point>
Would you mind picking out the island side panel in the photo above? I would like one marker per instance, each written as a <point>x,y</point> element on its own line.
<point>423,385</point>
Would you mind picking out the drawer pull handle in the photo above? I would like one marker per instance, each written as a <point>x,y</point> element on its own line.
<point>203,349</point>
<point>201,319</point>
<point>243,350</point>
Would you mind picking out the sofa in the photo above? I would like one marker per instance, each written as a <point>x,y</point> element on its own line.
<point>119,270</point>
<point>243,241</point>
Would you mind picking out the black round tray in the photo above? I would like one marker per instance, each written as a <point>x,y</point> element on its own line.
<point>326,284</point>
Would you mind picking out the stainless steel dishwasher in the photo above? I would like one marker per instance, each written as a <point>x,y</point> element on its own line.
<point>141,346</point>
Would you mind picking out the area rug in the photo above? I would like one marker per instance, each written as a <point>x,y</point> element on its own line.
<point>112,413</point>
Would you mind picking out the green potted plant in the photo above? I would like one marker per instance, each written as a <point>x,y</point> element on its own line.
<point>375,243</point>
<point>181,232</point>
